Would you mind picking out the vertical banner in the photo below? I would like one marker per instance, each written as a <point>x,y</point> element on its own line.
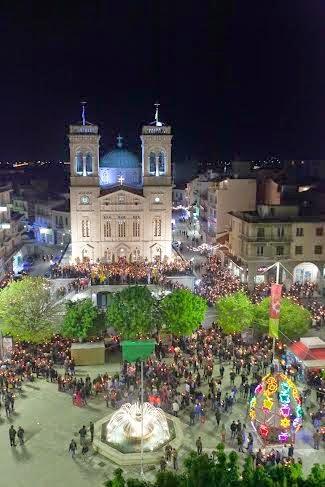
<point>276,290</point>
<point>6,348</point>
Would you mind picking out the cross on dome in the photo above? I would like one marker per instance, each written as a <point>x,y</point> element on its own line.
<point>121,179</point>
<point>119,139</point>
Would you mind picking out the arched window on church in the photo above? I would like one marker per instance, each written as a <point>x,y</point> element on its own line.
<point>152,163</point>
<point>156,223</point>
<point>89,163</point>
<point>85,228</point>
<point>79,163</point>
<point>136,226</point>
<point>161,163</point>
<point>108,229</point>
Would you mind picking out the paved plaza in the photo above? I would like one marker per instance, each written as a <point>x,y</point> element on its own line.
<point>51,421</point>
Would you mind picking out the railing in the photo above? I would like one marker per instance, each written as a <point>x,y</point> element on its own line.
<point>266,238</point>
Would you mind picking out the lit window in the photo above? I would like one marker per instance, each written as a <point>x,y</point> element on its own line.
<point>157,227</point>
<point>85,228</point>
<point>107,229</point>
<point>79,163</point>
<point>152,163</point>
<point>89,163</point>
<point>136,226</point>
<point>121,226</point>
<point>161,163</point>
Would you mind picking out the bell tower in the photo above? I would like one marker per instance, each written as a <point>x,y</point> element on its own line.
<point>156,153</point>
<point>84,152</point>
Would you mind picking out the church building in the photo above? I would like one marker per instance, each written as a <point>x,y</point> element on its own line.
<point>119,206</point>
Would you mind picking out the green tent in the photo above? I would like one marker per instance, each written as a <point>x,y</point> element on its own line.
<point>137,350</point>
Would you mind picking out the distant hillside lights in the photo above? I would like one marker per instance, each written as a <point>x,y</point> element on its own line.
<point>24,164</point>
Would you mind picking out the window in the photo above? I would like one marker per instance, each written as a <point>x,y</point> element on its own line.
<point>136,226</point>
<point>85,228</point>
<point>107,229</point>
<point>260,250</point>
<point>121,226</point>
<point>152,163</point>
<point>108,255</point>
<point>319,231</point>
<point>298,250</point>
<point>157,227</point>
<point>79,163</point>
<point>299,232</point>
<point>66,221</point>
<point>318,249</point>
<point>135,255</point>
<point>260,233</point>
<point>161,163</point>
<point>89,163</point>
<point>280,232</point>
<point>279,250</point>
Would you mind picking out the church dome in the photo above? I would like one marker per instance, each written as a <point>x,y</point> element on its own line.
<point>119,158</point>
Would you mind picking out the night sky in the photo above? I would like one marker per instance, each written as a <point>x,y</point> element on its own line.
<point>234,78</point>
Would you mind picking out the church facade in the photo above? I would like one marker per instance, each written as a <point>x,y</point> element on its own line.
<point>120,208</point>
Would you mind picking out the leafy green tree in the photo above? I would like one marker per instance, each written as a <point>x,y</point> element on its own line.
<point>235,312</point>
<point>117,480</point>
<point>248,473</point>
<point>168,479</point>
<point>130,311</point>
<point>316,476</point>
<point>80,318</point>
<point>294,319</point>
<point>28,310</point>
<point>183,312</point>
<point>200,471</point>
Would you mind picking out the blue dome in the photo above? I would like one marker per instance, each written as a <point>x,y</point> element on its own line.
<point>119,158</point>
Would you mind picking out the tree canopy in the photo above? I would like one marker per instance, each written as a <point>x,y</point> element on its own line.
<point>183,311</point>
<point>235,312</point>
<point>294,319</point>
<point>28,310</point>
<point>80,319</point>
<point>223,470</point>
<point>130,311</point>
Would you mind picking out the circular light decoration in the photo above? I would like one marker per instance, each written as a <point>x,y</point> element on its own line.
<point>275,409</point>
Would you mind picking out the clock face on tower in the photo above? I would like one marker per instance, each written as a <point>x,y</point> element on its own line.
<point>84,200</point>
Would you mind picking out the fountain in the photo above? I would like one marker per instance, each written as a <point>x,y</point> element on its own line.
<point>125,427</point>
<point>118,436</point>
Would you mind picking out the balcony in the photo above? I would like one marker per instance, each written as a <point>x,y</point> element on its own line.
<point>267,238</point>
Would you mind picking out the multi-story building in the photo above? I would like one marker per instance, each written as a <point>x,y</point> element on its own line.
<point>118,215</point>
<point>226,195</point>
<point>272,233</point>
<point>61,223</point>
<point>11,229</point>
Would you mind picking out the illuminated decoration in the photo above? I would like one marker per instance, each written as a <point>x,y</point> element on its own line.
<point>271,386</point>
<point>126,424</point>
<point>283,437</point>
<point>267,404</point>
<point>285,410</point>
<point>259,389</point>
<point>264,430</point>
<point>285,422</point>
<point>276,405</point>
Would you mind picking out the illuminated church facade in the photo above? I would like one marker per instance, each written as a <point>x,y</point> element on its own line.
<point>119,206</point>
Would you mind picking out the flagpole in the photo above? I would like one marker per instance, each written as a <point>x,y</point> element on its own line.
<point>277,278</point>
<point>142,418</point>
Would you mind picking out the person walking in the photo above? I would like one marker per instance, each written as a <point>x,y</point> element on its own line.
<point>199,445</point>
<point>82,435</point>
<point>12,435</point>
<point>233,429</point>
<point>174,455</point>
<point>21,436</point>
<point>240,441</point>
<point>91,430</point>
<point>316,437</point>
<point>218,417</point>
<point>290,451</point>
<point>192,418</point>
<point>72,448</point>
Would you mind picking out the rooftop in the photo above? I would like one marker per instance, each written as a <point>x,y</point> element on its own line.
<point>255,217</point>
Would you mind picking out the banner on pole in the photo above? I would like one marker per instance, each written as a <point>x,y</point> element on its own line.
<point>275,303</point>
<point>137,350</point>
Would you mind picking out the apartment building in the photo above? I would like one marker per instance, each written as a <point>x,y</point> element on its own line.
<point>258,239</point>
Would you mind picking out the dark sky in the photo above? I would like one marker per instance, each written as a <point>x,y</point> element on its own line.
<point>243,78</point>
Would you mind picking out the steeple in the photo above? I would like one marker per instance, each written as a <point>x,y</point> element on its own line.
<point>156,122</point>
<point>83,112</point>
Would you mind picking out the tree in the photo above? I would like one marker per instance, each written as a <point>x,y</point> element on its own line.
<point>28,310</point>
<point>294,319</point>
<point>183,311</point>
<point>235,312</point>
<point>130,312</point>
<point>80,318</point>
